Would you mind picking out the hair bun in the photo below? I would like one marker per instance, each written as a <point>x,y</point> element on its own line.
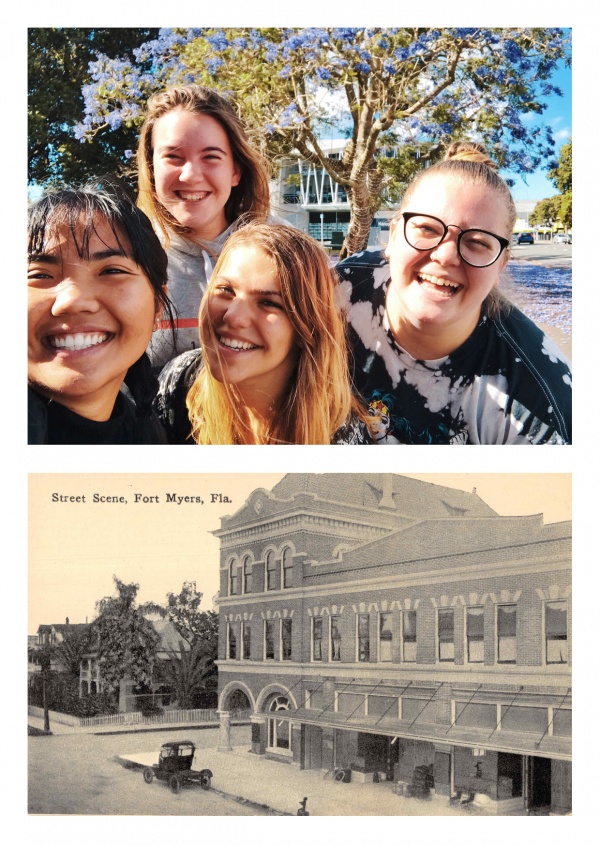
<point>469,151</point>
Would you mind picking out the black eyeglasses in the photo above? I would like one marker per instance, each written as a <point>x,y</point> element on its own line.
<point>475,246</point>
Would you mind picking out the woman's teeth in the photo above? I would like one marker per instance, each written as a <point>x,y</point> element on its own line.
<point>233,344</point>
<point>435,280</point>
<point>79,341</point>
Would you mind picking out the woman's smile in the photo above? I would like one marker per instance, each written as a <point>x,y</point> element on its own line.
<point>256,346</point>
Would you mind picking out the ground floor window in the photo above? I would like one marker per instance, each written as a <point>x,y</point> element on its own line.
<point>280,730</point>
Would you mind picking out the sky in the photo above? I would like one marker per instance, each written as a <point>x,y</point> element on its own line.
<point>76,547</point>
<point>558,115</point>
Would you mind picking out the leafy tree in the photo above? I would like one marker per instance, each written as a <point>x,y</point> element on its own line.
<point>192,674</point>
<point>558,207</point>
<point>58,62</point>
<point>69,652</point>
<point>562,176</point>
<point>127,642</point>
<point>546,211</point>
<point>183,610</point>
<point>419,88</point>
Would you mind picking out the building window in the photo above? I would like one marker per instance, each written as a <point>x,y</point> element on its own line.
<point>286,640</point>
<point>506,627</point>
<point>317,638</point>
<point>385,637</point>
<point>409,635</point>
<point>231,641</point>
<point>336,639</point>
<point>475,634</point>
<point>362,634</point>
<point>233,578</point>
<point>270,640</point>
<point>287,565</point>
<point>280,731</point>
<point>556,633</point>
<point>246,639</point>
<point>247,574</point>
<point>272,572</point>
<point>445,622</point>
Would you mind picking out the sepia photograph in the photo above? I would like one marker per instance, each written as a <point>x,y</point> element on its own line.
<point>336,644</point>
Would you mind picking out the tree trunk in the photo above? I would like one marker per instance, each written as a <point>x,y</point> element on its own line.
<point>362,211</point>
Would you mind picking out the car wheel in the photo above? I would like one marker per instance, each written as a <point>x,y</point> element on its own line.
<point>205,782</point>
<point>148,775</point>
<point>175,783</point>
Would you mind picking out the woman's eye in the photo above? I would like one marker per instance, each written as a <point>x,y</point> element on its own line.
<point>113,271</point>
<point>38,274</point>
<point>272,304</point>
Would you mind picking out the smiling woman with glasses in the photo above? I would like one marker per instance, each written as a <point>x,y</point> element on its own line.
<point>430,331</point>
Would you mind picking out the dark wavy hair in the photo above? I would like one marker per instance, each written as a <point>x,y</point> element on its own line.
<point>78,211</point>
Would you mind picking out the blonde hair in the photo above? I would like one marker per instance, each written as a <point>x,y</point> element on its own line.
<point>319,399</point>
<point>469,161</point>
<point>250,197</point>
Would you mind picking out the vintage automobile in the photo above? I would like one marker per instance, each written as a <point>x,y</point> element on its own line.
<point>175,766</point>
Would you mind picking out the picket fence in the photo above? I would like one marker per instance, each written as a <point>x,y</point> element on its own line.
<point>196,715</point>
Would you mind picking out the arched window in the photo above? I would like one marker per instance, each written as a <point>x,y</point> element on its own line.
<point>280,731</point>
<point>272,574</point>
<point>233,577</point>
<point>247,570</point>
<point>287,567</point>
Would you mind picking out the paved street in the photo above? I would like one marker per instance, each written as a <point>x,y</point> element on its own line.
<point>77,774</point>
<point>543,251</point>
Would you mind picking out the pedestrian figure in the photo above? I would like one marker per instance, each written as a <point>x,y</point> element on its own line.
<point>302,812</point>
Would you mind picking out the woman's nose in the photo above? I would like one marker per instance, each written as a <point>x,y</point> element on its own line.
<point>74,296</point>
<point>238,312</point>
<point>446,251</point>
<point>191,171</point>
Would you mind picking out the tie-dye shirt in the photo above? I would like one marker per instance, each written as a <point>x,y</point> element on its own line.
<point>508,383</point>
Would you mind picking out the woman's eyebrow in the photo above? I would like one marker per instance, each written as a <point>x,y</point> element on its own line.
<point>47,258</point>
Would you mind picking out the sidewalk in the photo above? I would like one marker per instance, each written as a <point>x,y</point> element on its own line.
<point>280,787</point>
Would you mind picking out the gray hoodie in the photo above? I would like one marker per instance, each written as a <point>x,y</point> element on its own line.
<point>189,271</point>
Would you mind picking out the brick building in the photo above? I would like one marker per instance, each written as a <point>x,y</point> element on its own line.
<point>381,624</point>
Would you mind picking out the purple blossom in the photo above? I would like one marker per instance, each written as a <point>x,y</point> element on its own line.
<point>218,41</point>
<point>362,67</point>
<point>213,64</point>
<point>129,154</point>
<point>323,73</point>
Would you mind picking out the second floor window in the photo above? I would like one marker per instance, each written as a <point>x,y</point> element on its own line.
<point>475,634</point>
<point>336,639</point>
<point>506,626</point>
<point>287,564</point>
<point>270,639</point>
<point>286,640</point>
<point>385,637</point>
<point>246,639</point>
<point>317,638</point>
<point>231,641</point>
<point>556,633</point>
<point>409,635</point>
<point>247,575</point>
<point>272,572</point>
<point>233,578</point>
<point>446,634</point>
<point>363,637</point>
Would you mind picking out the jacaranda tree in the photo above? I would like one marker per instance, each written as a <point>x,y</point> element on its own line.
<point>412,89</point>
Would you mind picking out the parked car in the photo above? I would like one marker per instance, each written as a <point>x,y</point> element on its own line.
<point>562,238</point>
<point>525,238</point>
<point>175,766</point>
